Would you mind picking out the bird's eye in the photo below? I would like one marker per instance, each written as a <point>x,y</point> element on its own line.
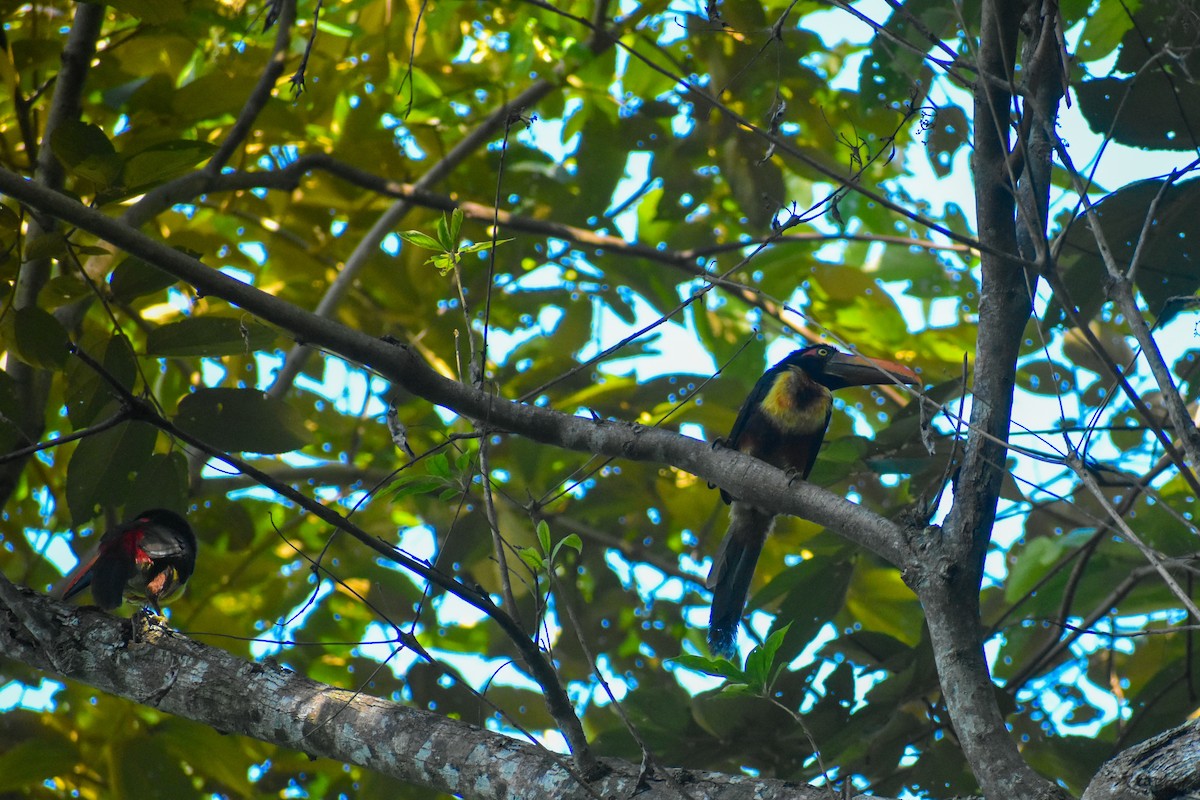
<point>823,352</point>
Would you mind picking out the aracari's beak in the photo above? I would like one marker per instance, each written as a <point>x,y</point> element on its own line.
<point>851,369</point>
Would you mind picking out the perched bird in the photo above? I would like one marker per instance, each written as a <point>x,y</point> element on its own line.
<point>151,556</point>
<point>782,422</point>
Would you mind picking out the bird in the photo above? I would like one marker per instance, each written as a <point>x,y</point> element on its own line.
<point>149,557</point>
<point>781,422</point>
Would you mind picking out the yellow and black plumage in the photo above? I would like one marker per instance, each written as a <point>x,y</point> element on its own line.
<point>782,422</point>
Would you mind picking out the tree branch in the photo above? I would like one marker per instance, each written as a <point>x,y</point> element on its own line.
<point>1164,766</point>
<point>263,90</point>
<point>949,576</point>
<point>738,473</point>
<point>169,672</point>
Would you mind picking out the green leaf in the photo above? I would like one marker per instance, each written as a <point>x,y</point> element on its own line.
<point>241,420</point>
<point>760,664</point>
<point>543,534</point>
<point>85,151</point>
<point>1046,377</point>
<point>143,767</point>
<point>950,132</point>
<point>456,221</point>
<point>210,336</point>
<point>162,484</point>
<point>421,240</point>
<point>27,763</point>
<point>1168,259</point>
<point>571,542</point>
<point>134,278</point>
<point>10,230</point>
<point>11,414</point>
<point>1132,111</point>
<point>88,394</point>
<point>49,245</point>
<point>104,466</point>
<point>409,485</point>
<point>164,161</point>
<point>36,337</point>
<point>438,465</point>
<point>1105,28</point>
<point>444,263</point>
<point>64,288</point>
<point>1031,564</point>
<point>532,558</point>
<point>717,667</point>
<point>443,235</point>
<point>475,248</point>
<point>151,11</point>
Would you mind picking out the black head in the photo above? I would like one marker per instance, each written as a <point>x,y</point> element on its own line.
<point>170,521</point>
<point>166,518</point>
<point>834,369</point>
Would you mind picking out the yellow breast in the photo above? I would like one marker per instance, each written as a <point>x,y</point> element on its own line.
<point>796,404</point>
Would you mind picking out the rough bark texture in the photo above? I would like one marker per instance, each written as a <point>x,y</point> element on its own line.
<point>1160,768</point>
<point>172,673</point>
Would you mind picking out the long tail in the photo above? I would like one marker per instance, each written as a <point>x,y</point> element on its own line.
<point>732,569</point>
<point>78,579</point>
<point>106,576</point>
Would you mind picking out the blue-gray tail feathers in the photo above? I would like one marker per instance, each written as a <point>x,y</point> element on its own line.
<point>732,570</point>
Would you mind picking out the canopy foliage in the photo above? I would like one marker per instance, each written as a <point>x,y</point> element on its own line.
<point>622,213</point>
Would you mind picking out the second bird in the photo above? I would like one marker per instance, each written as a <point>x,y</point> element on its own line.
<point>782,422</point>
<point>149,557</point>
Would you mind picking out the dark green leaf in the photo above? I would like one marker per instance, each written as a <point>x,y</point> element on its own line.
<point>1132,111</point>
<point>1169,262</point>
<point>104,466</point>
<point>85,151</point>
<point>210,336</point>
<point>165,161</point>
<point>10,414</point>
<point>88,394</point>
<point>241,420</point>
<point>51,244</point>
<point>32,761</point>
<point>10,229</point>
<point>142,767</point>
<point>36,337</point>
<point>134,278</point>
<point>949,133</point>
<point>162,484</point>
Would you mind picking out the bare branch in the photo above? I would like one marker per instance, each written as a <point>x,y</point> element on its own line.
<point>169,672</point>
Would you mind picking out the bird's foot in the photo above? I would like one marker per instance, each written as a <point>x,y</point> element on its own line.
<point>717,442</point>
<point>793,475</point>
<point>148,624</point>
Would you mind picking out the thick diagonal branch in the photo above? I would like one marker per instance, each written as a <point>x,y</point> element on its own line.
<point>738,473</point>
